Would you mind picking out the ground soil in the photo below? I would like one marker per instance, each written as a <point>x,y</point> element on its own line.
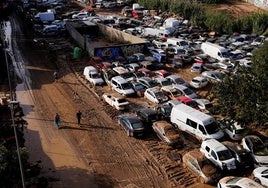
<point>98,153</point>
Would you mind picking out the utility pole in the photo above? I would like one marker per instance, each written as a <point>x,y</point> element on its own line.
<point>11,105</point>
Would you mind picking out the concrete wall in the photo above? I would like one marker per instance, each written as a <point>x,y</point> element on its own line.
<point>119,36</point>
<point>129,42</point>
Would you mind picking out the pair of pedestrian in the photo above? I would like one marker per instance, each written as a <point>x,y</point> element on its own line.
<point>57,119</point>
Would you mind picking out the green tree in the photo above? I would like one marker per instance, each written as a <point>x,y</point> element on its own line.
<point>243,96</point>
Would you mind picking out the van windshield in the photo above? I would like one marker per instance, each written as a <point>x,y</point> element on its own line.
<point>212,128</point>
<point>225,54</point>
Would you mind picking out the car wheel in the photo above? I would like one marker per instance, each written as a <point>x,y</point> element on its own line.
<point>257,180</point>
<point>128,133</point>
<point>202,180</point>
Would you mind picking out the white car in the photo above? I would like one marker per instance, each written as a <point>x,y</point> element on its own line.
<point>257,148</point>
<point>80,15</point>
<point>155,95</point>
<point>260,175</point>
<point>237,182</point>
<point>115,100</point>
<point>186,91</point>
<point>234,130</point>
<point>93,76</point>
<point>176,80</point>
<point>218,154</point>
<point>197,68</point>
<point>198,82</point>
<point>204,105</point>
<point>214,76</point>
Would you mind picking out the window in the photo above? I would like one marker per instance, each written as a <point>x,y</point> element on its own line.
<point>207,149</point>
<point>191,123</point>
<point>202,129</point>
<point>213,154</point>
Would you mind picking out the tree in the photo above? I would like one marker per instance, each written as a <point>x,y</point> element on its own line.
<point>243,96</point>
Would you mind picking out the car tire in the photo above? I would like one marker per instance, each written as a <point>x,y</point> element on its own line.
<point>128,133</point>
<point>257,180</point>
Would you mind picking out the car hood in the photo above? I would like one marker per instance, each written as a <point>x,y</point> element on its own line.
<point>261,159</point>
<point>209,170</point>
<point>97,80</point>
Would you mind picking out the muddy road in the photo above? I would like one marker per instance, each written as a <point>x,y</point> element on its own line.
<point>96,154</point>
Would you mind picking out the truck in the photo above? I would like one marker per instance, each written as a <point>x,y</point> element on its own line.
<point>215,51</point>
<point>44,17</point>
<point>155,32</point>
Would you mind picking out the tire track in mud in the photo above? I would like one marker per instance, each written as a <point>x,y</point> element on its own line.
<point>164,161</point>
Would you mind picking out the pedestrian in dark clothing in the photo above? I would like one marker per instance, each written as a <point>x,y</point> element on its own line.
<point>57,120</point>
<point>78,116</point>
<point>56,76</point>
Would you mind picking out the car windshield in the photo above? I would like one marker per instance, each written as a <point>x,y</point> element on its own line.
<point>187,91</point>
<point>127,75</point>
<point>183,43</point>
<point>138,87</point>
<point>166,83</point>
<point>126,86</point>
<point>239,131</point>
<point>212,128</point>
<point>225,54</point>
<point>193,104</point>
<point>195,81</point>
<point>208,105</point>
<point>176,93</point>
<point>137,125</point>
<point>179,81</point>
<point>95,75</point>
<point>159,94</point>
<point>259,148</point>
<point>152,117</point>
<point>152,83</point>
<point>122,100</point>
<point>224,155</point>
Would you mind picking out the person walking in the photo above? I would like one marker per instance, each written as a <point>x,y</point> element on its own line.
<point>56,76</point>
<point>78,116</point>
<point>57,120</point>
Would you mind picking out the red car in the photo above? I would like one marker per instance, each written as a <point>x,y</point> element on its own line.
<point>161,73</point>
<point>98,63</point>
<point>188,101</point>
<point>201,59</point>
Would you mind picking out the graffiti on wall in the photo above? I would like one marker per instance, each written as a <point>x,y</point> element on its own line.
<point>115,51</point>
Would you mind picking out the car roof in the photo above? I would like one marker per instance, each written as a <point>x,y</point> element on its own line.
<point>216,145</point>
<point>147,111</point>
<point>115,95</point>
<point>199,78</point>
<point>197,155</point>
<point>130,117</point>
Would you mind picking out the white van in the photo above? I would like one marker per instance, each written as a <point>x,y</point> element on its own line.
<point>155,32</point>
<point>93,75</point>
<point>178,42</point>
<point>122,86</point>
<point>215,51</point>
<point>199,124</point>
